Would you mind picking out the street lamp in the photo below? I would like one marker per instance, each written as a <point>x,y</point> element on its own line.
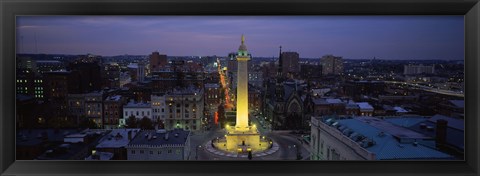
<point>196,152</point>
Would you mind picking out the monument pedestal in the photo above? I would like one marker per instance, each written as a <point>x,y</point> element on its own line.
<point>244,141</point>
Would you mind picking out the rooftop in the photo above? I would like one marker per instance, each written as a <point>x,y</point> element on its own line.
<point>160,138</point>
<point>364,105</point>
<point>387,140</point>
<point>117,138</point>
<point>30,137</point>
<point>333,101</point>
<point>452,122</point>
<point>113,98</point>
<point>319,101</point>
<point>400,109</point>
<point>455,130</point>
<point>458,103</point>
<point>23,97</point>
<point>184,91</point>
<point>212,85</point>
<point>133,104</point>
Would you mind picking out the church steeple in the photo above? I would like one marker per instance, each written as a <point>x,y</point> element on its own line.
<point>280,53</point>
<point>280,66</point>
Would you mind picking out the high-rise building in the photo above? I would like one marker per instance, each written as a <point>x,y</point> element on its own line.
<point>331,65</point>
<point>310,71</point>
<point>88,76</point>
<point>111,75</point>
<point>157,61</point>
<point>141,71</point>
<point>290,63</point>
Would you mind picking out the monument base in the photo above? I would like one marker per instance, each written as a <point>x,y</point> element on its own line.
<point>236,141</point>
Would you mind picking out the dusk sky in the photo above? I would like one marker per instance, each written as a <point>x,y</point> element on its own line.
<point>353,37</point>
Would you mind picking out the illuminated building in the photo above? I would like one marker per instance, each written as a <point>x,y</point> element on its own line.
<point>88,105</point>
<point>137,109</point>
<point>112,109</point>
<point>158,108</point>
<point>212,94</point>
<point>184,108</point>
<point>242,137</point>
<point>110,75</point>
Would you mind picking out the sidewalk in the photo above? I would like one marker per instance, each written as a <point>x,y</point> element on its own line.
<point>270,151</point>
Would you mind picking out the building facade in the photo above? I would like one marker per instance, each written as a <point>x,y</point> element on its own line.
<point>184,109</point>
<point>157,61</point>
<point>159,108</point>
<point>113,109</point>
<point>160,145</point>
<point>368,138</point>
<point>212,95</point>
<point>290,63</point>
<point>331,65</point>
<point>137,109</point>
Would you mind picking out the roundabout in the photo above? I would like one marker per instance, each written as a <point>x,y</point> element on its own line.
<point>211,149</point>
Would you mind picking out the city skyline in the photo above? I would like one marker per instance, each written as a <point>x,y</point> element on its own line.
<point>353,37</point>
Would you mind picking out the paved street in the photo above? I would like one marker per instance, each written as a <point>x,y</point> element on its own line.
<point>289,145</point>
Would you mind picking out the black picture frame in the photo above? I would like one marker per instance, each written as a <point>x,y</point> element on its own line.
<point>9,9</point>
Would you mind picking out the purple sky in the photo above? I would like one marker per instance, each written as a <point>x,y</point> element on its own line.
<point>356,37</point>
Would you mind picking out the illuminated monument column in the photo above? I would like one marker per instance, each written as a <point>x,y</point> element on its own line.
<point>242,137</point>
<point>242,88</point>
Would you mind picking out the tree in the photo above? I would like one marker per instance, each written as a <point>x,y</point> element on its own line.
<point>146,123</point>
<point>221,115</point>
<point>131,122</point>
<point>87,123</point>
